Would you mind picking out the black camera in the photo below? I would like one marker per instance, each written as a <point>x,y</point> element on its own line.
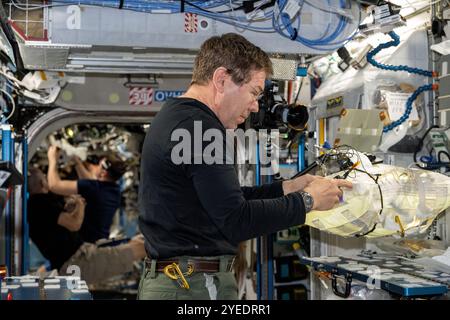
<point>276,113</point>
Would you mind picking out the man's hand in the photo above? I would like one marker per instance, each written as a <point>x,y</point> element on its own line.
<point>53,153</point>
<point>326,192</point>
<point>55,184</point>
<point>80,202</point>
<point>76,159</point>
<point>298,184</point>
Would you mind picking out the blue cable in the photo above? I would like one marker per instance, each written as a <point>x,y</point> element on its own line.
<point>395,42</point>
<point>327,42</point>
<point>408,110</point>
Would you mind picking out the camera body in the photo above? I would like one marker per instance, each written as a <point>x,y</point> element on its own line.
<point>276,113</point>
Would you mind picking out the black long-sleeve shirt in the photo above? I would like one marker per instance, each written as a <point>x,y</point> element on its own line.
<point>200,209</point>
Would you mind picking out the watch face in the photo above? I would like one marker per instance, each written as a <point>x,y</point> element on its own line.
<point>308,201</point>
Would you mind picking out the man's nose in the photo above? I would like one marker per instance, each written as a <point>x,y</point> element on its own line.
<point>255,106</point>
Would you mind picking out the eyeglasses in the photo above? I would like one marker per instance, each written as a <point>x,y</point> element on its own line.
<point>93,159</point>
<point>257,95</point>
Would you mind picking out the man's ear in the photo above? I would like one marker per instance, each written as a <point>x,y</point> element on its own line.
<point>218,79</point>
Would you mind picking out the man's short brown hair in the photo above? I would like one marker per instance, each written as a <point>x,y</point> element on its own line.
<point>233,52</point>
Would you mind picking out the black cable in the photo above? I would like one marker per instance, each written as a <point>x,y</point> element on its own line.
<point>306,170</point>
<point>298,92</point>
<point>294,35</point>
<point>444,153</point>
<point>381,202</point>
<point>366,233</point>
<point>243,7</point>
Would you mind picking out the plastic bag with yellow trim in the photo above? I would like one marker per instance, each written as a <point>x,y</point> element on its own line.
<point>385,200</point>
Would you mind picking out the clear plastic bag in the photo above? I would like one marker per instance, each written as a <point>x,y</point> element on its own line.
<point>385,200</point>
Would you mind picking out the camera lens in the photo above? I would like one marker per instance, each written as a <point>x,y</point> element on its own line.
<point>297,117</point>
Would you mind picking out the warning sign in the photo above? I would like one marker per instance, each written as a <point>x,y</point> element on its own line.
<point>141,96</point>
<point>190,22</point>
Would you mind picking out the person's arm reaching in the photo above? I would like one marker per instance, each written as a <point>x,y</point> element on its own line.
<point>239,219</point>
<point>55,184</point>
<point>82,171</point>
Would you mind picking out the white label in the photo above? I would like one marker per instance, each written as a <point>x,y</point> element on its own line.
<point>30,284</point>
<point>161,11</point>
<point>4,175</point>
<point>25,280</point>
<point>446,14</point>
<point>444,68</point>
<point>258,14</point>
<point>388,19</point>
<point>52,286</point>
<point>396,102</point>
<point>381,9</point>
<point>291,8</point>
<point>76,79</point>
<point>11,286</point>
<point>51,280</point>
<point>79,291</point>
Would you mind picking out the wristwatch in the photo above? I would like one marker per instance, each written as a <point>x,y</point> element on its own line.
<point>308,201</point>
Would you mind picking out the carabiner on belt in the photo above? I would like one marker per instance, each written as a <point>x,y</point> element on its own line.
<point>173,271</point>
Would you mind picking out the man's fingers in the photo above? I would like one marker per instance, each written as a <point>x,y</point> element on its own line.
<point>343,183</point>
<point>340,193</point>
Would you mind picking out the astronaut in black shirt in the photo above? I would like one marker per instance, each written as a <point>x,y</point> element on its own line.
<point>54,224</point>
<point>193,212</point>
<point>97,185</point>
